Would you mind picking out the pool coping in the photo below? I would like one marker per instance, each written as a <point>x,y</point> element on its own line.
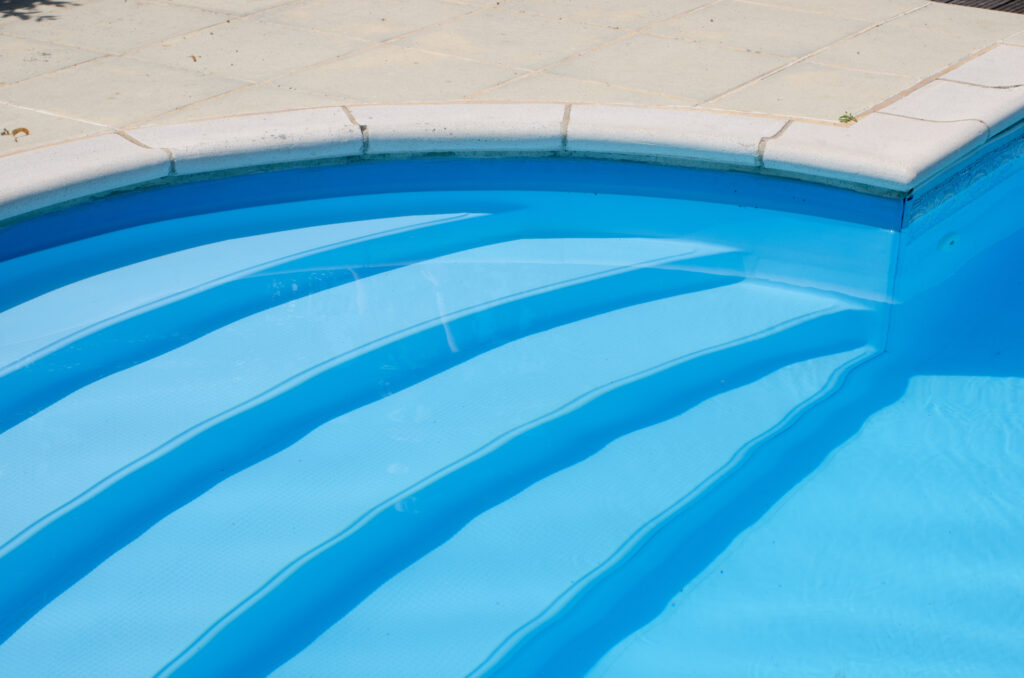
<point>890,152</point>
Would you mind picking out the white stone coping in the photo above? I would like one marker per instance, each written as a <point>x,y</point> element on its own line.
<point>889,152</point>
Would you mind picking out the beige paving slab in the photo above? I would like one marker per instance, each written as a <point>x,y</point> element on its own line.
<point>611,13</point>
<point>1016,39</point>
<point>671,67</point>
<point>761,28</point>
<point>21,58</point>
<point>253,99</point>
<point>511,38</point>
<point>548,87</point>
<point>116,90</point>
<point>248,49</point>
<point>235,7</point>
<point>1001,67</point>
<point>923,42</point>
<point>871,10</point>
<point>43,129</point>
<point>368,19</point>
<point>112,26</point>
<point>814,91</point>
<point>393,74</point>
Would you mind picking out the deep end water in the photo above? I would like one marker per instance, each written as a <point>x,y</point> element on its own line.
<point>516,432</point>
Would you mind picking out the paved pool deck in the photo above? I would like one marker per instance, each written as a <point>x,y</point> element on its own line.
<point>85,67</point>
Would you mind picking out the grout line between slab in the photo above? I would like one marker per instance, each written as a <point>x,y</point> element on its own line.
<point>56,115</point>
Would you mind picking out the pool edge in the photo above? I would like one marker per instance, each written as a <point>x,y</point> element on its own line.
<point>888,153</point>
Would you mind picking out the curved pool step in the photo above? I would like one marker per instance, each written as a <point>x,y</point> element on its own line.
<point>39,325</point>
<point>634,586</point>
<point>319,588</point>
<point>52,372</point>
<point>76,537</point>
<point>118,343</point>
<point>152,598</point>
<point>155,401</point>
<point>505,567</point>
<point>37,273</point>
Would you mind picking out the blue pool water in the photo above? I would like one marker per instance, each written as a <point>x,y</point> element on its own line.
<point>467,418</point>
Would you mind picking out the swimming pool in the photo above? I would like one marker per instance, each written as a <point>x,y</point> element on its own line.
<point>513,418</point>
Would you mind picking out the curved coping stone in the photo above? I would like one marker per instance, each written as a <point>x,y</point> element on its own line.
<point>889,153</point>
<point>467,128</point>
<point>253,140</point>
<point>719,138</point>
<point>36,179</point>
<point>893,152</point>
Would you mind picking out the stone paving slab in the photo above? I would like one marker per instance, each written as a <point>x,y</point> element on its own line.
<point>70,69</point>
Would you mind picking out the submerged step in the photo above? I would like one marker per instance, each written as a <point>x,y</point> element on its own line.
<point>493,579</point>
<point>658,328</point>
<point>155,401</point>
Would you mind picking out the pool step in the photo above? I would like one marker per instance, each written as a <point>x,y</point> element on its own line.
<point>68,543</point>
<point>116,343</point>
<point>634,586</point>
<point>201,560</point>
<point>42,361</point>
<point>231,233</point>
<point>325,584</point>
<point>153,402</point>
<point>80,306</point>
<point>501,578</point>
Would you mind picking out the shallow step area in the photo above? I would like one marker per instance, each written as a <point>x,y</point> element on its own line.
<point>249,426</point>
<point>147,600</point>
<point>236,359</point>
<point>902,552</point>
<point>511,570</point>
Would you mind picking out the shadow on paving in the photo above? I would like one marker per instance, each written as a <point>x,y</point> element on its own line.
<point>31,10</point>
